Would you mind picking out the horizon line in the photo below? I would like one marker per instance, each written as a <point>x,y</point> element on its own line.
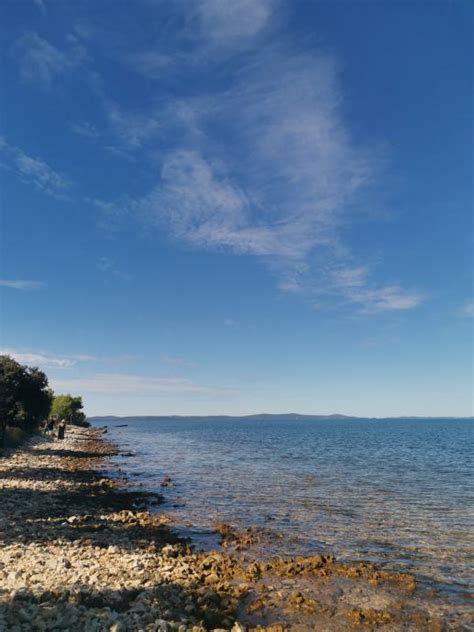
<point>253,415</point>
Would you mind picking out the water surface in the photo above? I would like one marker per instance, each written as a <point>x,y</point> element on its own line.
<point>396,492</point>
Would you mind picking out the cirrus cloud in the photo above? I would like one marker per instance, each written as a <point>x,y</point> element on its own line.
<point>280,183</point>
<point>41,62</point>
<point>226,23</point>
<point>43,360</point>
<point>33,170</point>
<point>119,383</point>
<point>467,310</point>
<point>18,284</point>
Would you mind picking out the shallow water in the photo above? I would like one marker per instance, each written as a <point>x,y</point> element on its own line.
<point>396,492</point>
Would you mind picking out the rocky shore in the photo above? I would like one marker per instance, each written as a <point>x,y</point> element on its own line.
<point>78,551</point>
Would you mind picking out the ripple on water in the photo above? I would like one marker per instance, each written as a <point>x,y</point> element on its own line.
<point>397,492</point>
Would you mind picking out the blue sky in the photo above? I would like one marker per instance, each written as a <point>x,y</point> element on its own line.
<point>212,207</point>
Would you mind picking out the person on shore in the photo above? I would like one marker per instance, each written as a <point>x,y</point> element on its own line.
<point>49,428</point>
<point>61,429</point>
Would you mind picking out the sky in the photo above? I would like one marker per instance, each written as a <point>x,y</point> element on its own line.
<point>213,207</point>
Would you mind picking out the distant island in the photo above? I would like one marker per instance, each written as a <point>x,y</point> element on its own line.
<point>257,417</point>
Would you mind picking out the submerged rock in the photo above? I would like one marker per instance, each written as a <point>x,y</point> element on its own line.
<point>80,552</point>
<point>166,482</point>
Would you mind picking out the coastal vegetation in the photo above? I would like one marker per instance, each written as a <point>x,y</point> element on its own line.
<point>69,408</point>
<point>26,400</point>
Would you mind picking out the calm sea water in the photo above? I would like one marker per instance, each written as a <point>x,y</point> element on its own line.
<point>397,492</point>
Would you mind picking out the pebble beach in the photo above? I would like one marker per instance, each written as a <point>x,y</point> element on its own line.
<point>80,551</point>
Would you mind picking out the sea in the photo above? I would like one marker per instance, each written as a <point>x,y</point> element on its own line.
<point>397,492</point>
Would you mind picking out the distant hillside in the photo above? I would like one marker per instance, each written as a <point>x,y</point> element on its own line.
<point>257,417</point>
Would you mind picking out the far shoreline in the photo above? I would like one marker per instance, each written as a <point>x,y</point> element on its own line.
<point>269,417</point>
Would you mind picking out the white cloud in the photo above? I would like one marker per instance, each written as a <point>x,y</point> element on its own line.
<point>280,184</point>
<point>132,129</point>
<point>41,174</point>
<point>46,360</point>
<point>38,359</point>
<point>282,180</point>
<point>41,62</point>
<point>194,204</point>
<point>225,23</point>
<point>385,298</point>
<point>41,6</point>
<point>128,384</point>
<point>151,63</point>
<point>350,277</point>
<point>267,167</point>
<point>83,357</point>
<point>107,266</point>
<point>214,28</point>
<point>104,264</point>
<point>231,322</point>
<point>33,170</point>
<point>86,129</point>
<point>177,362</point>
<point>355,286</point>
<point>52,361</point>
<point>467,310</point>
<point>18,284</point>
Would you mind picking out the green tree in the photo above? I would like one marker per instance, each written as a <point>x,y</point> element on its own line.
<point>69,408</point>
<point>35,397</point>
<point>24,395</point>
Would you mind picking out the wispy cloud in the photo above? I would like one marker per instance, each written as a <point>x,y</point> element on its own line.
<point>385,299</point>
<point>39,359</point>
<point>127,384</point>
<point>279,182</point>
<point>177,362</point>
<point>48,360</point>
<point>211,29</point>
<point>126,132</point>
<point>185,34</point>
<point>45,64</point>
<point>41,6</point>
<point>152,63</point>
<point>106,265</point>
<point>40,62</point>
<point>226,23</point>
<point>18,284</point>
<point>33,170</point>
<point>355,286</point>
<point>467,310</point>
<point>86,129</point>
<point>132,129</point>
<point>231,322</point>
<point>196,205</point>
<point>266,167</point>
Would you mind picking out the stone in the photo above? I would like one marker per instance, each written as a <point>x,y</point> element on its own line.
<point>126,572</point>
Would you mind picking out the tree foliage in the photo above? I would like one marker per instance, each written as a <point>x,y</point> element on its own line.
<point>25,398</point>
<point>69,408</point>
